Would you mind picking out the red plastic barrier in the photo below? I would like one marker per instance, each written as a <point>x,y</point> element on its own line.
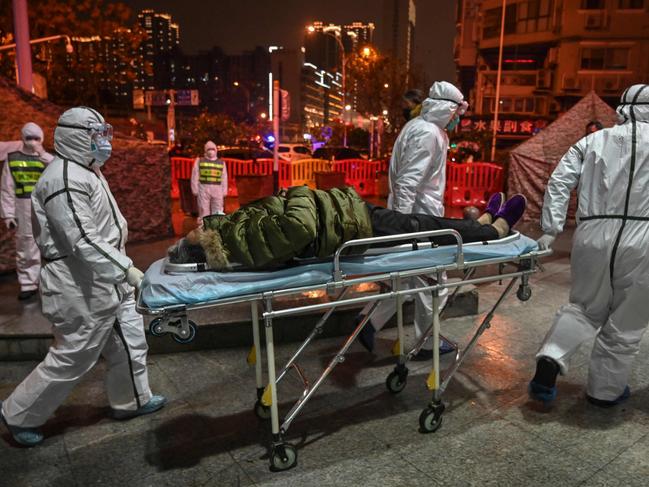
<point>360,174</point>
<point>470,184</point>
<point>181,168</point>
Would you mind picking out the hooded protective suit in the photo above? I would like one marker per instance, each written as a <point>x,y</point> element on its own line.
<point>209,182</point>
<point>81,234</point>
<point>610,252</point>
<point>24,163</point>
<point>418,177</point>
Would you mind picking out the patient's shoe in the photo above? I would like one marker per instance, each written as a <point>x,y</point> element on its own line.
<point>23,436</point>
<point>155,404</point>
<point>495,203</point>
<point>512,210</point>
<point>602,403</point>
<point>366,336</point>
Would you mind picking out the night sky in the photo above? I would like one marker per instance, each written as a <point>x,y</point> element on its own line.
<point>237,25</point>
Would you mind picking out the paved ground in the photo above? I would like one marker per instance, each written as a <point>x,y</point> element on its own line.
<point>354,432</point>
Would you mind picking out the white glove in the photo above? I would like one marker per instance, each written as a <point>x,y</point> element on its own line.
<point>11,223</point>
<point>546,241</point>
<point>134,277</point>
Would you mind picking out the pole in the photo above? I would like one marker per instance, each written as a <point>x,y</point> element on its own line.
<point>171,118</point>
<point>276,115</point>
<point>500,68</point>
<point>342,48</point>
<point>23,49</point>
<point>371,138</point>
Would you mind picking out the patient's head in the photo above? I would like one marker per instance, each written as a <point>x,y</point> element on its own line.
<point>200,246</point>
<point>185,252</point>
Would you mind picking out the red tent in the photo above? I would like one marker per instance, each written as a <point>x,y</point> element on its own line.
<point>532,162</point>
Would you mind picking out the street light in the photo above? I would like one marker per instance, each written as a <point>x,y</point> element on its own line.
<point>69,48</point>
<point>386,85</point>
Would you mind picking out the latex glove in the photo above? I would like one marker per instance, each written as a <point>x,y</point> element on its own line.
<point>11,223</point>
<point>546,241</point>
<point>134,277</point>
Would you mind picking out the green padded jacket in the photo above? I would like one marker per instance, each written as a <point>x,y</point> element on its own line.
<point>273,230</point>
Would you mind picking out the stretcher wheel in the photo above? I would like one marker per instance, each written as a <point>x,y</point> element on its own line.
<point>396,382</point>
<point>283,457</point>
<point>524,293</point>
<point>190,337</point>
<point>430,419</point>
<point>262,411</point>
<point>155,327</point>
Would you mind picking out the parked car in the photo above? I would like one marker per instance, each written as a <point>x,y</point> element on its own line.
<point>336,153</point>
<point>294,152</point>
<point>247,153</point>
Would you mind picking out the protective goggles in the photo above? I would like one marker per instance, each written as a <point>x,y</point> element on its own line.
<point>96,129</point>
<point>32,137</point>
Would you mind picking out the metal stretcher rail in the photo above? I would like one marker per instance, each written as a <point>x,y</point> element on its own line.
<point>283,455</point>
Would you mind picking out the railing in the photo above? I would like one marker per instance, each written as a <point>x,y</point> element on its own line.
<point>470,184</point>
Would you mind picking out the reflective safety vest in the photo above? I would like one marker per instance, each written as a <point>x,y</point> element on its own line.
<point>210,172</point>
<point>25,170</point>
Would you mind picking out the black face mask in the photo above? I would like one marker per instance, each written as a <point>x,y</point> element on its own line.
<point>406,114</point>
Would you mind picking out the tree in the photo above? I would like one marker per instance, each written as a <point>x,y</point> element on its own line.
<point>379,82</point>
<point>220,129</point>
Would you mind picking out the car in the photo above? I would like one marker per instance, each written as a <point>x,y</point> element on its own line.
<point>246,153</point>
<point>336,153</point>
<point>294,152</point>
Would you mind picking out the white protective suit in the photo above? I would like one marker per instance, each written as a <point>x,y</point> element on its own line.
<point>417,180</point>
<point>209,182</point>
<point>81,234</point>
<point>19,206</point>
<point>610,252</point>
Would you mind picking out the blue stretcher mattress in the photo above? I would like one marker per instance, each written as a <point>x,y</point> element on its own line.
<point>160,289</point>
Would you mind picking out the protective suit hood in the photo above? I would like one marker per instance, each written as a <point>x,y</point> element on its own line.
<point>635,98</point>
<point>74,144</point>
<point>444,100</point>
<point>30,129</point>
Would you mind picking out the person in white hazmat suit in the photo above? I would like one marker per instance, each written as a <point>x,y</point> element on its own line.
<point>209,182</point>
<point>417,179</point>
<point>610,254</point>
<point>23,165</point>
<point>87,285</point>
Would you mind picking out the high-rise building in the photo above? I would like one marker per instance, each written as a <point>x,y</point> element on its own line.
<point>554,52</point>
<point>160,67</point>
<point>398,29</point>
<point>101,65</point>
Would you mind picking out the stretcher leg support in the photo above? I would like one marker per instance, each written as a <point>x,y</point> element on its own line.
<point>397,379</point>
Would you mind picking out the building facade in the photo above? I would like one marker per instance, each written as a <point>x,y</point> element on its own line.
<point>554,53</point>
<point>397,38</point>
<point>159,52</point>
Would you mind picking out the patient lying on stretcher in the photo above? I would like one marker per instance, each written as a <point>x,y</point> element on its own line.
<point>305,223</point>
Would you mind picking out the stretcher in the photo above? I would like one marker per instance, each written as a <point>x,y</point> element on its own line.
<point>170,291</point>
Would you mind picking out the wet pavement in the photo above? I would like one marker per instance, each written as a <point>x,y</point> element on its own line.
<point>354,432</point>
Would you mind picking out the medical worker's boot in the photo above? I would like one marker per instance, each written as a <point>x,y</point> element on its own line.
<point>609,404</point>
<point>23,436</point>
<point>155,404</point>
<point>543,386</point>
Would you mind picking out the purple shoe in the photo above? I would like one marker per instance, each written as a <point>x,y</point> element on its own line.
<point>512,210</point>
<point>495,203</point>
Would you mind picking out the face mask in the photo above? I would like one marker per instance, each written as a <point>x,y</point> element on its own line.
<point>453,123</point>
<point>32,145</point>
<point>211,153</point>
<point>406,114</point>
<point>101,149</point>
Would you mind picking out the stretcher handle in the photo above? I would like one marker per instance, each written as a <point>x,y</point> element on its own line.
<point>393,238</point>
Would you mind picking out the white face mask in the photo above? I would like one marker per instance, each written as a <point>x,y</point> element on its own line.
<point>211,153</point>
<point>32,145</point>
<point>101,149</point>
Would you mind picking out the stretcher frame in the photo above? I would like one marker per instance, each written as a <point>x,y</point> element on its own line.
<point>283,455</point>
